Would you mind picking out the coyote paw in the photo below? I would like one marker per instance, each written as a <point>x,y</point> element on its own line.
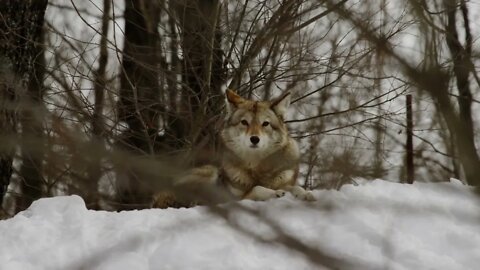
<point>280,193</point>
<point>259,193</point>
<point>309,197</point>
<point>302,194</point>
<point>306,196</point>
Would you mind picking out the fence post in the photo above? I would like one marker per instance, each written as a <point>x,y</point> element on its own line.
<point>409,145</point>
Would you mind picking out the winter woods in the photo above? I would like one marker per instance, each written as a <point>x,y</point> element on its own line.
<point>112,99</point>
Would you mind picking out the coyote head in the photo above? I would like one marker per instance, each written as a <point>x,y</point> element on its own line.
<point>255,129</point>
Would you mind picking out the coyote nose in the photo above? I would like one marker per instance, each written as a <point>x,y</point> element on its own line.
<point>254,140</point>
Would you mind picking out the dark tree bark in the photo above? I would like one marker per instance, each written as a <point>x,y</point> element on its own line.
<point>139,104</point>
<point>203,72</point>
<point>98,129</point>
<point>7,125</point>
<point>409,144</point>
<point>461,56</point>
<point>139,93</point>
<point>20,30</point>
<point>33,139</point>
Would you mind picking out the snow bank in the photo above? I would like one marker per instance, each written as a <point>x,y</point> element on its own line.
<point>375,225</point>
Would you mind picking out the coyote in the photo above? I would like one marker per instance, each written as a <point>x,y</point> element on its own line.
<point>259,159</point>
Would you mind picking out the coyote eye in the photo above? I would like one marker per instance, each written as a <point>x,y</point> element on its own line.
<point>266,123</point>
<point>244,122</point>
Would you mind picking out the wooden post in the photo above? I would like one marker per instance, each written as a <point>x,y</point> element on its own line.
<point>409,145</point>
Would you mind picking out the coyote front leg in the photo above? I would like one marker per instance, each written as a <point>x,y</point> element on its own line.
<point>300,193</point>
<point>259,193</point>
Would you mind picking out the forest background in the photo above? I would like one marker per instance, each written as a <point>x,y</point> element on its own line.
<point>112,99</point>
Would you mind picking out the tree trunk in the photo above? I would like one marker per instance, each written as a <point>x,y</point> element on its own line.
<point>7,125</point>
<point>33,139</point>
<point>435,82</point>
<point>20,30</point>
<point>139,94</point>
<point>409,144</point>
<point>95,169</point>
<point>461,56</point>
<point>202,66</point>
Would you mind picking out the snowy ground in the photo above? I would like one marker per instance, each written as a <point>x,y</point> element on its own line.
<point>376,225</point>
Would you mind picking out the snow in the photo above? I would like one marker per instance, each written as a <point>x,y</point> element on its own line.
<point>371,225</point>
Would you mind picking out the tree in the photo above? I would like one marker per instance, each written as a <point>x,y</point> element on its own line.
<point>462,67</point>
<point>20,38</point>
<point>202,66</point>
<point>97,120</point>
<point>139,105</point>
<point>118,108</point>
<point>432,78</point>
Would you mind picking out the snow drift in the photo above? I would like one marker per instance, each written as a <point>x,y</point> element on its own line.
<point>375,225</point>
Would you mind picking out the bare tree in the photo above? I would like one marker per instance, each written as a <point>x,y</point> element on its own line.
<point>139,105</point>
<point>462,67</point>
<point>202,69</point>
<point>97,119</point>
<point>159,93</point>
<point>135,96</point>
<point>434,80</point>
<point>20,34</point>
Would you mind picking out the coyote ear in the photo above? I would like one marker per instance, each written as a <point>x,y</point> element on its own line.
<point>233,100</point>
<point>280,104</point>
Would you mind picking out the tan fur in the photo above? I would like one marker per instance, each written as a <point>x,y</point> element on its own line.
<point>269,168</point>
<point>182,193</point>
<point>257,171</point>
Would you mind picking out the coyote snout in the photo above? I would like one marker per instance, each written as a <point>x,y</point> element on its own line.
<point>255,140</point>
<point>257,131</point>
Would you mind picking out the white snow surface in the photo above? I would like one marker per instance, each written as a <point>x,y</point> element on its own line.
<point>373,225</point>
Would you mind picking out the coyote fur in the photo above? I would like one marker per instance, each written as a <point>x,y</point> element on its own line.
<point>259,159</point>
